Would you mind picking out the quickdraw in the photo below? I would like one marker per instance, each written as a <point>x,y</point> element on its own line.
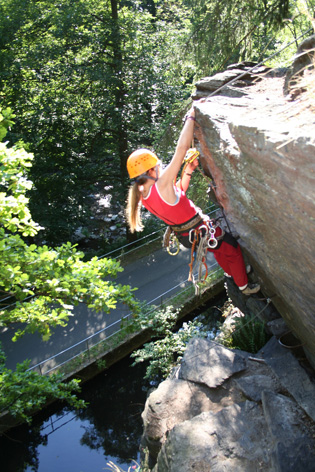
<point>209,232</point>
<point>204,237</point>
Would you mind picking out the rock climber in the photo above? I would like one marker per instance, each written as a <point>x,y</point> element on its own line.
<point>154,187</point>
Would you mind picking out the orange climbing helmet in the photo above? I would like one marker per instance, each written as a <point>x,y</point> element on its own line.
<point>141,161</point>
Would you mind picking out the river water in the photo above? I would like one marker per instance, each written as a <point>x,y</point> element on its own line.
<point>66,440</point>
<point>61,439</point>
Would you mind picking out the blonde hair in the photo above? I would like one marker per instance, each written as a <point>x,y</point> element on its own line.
<point>133,209</point>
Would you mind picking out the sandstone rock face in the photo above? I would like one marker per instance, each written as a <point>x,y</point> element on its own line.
<point>260,150</point>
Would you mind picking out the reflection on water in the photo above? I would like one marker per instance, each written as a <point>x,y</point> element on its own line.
<point>65,440</point>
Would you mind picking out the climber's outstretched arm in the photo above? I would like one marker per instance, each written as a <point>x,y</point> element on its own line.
<point>165,183</point>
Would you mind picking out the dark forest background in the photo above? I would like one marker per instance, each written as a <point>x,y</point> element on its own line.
<point>90,81</point>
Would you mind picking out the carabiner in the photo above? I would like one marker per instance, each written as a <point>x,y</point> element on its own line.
<point>173,244</point>
<point>205,227</point>
<point>191,155</point>
<point>191,232</point>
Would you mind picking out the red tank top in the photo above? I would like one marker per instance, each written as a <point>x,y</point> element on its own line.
<point>172,214</point>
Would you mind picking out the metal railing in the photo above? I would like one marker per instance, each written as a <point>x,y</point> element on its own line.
<point>85,346</point>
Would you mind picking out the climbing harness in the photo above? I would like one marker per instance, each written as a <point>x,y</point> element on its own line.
<point>201,233</point>
<point>170,240</point>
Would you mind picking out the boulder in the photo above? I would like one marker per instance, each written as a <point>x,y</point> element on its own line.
<point>247,419</point>
<point>229,441</point>
<point>209,363</point>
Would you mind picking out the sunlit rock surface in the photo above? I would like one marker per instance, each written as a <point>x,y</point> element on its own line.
<point>229,410</point>
<point>260,150</point>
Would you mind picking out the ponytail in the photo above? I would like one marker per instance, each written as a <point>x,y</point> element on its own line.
<point>133,209</point>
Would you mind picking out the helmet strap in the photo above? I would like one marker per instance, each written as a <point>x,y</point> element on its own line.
<point>146,176</point>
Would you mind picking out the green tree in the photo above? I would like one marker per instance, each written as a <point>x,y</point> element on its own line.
<point>44,283</point>
<point>227,32</point>
<point>23,391</point>
<point>90,81</point>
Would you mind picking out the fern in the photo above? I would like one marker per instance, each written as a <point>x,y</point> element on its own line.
<point>249,334</point>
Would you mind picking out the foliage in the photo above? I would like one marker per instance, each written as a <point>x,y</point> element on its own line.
<point>6,116</point>
<point>24,391</point>
<point>15,215</point>
<point>164,353</point>
<point>229,32</point>
<point>48,283</point>
<point>45,283</point>
<point>295,26</point>
<point>249,335</point>
<point>91,81</point>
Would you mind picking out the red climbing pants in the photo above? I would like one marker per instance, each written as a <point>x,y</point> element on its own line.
<point>231,260</point>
